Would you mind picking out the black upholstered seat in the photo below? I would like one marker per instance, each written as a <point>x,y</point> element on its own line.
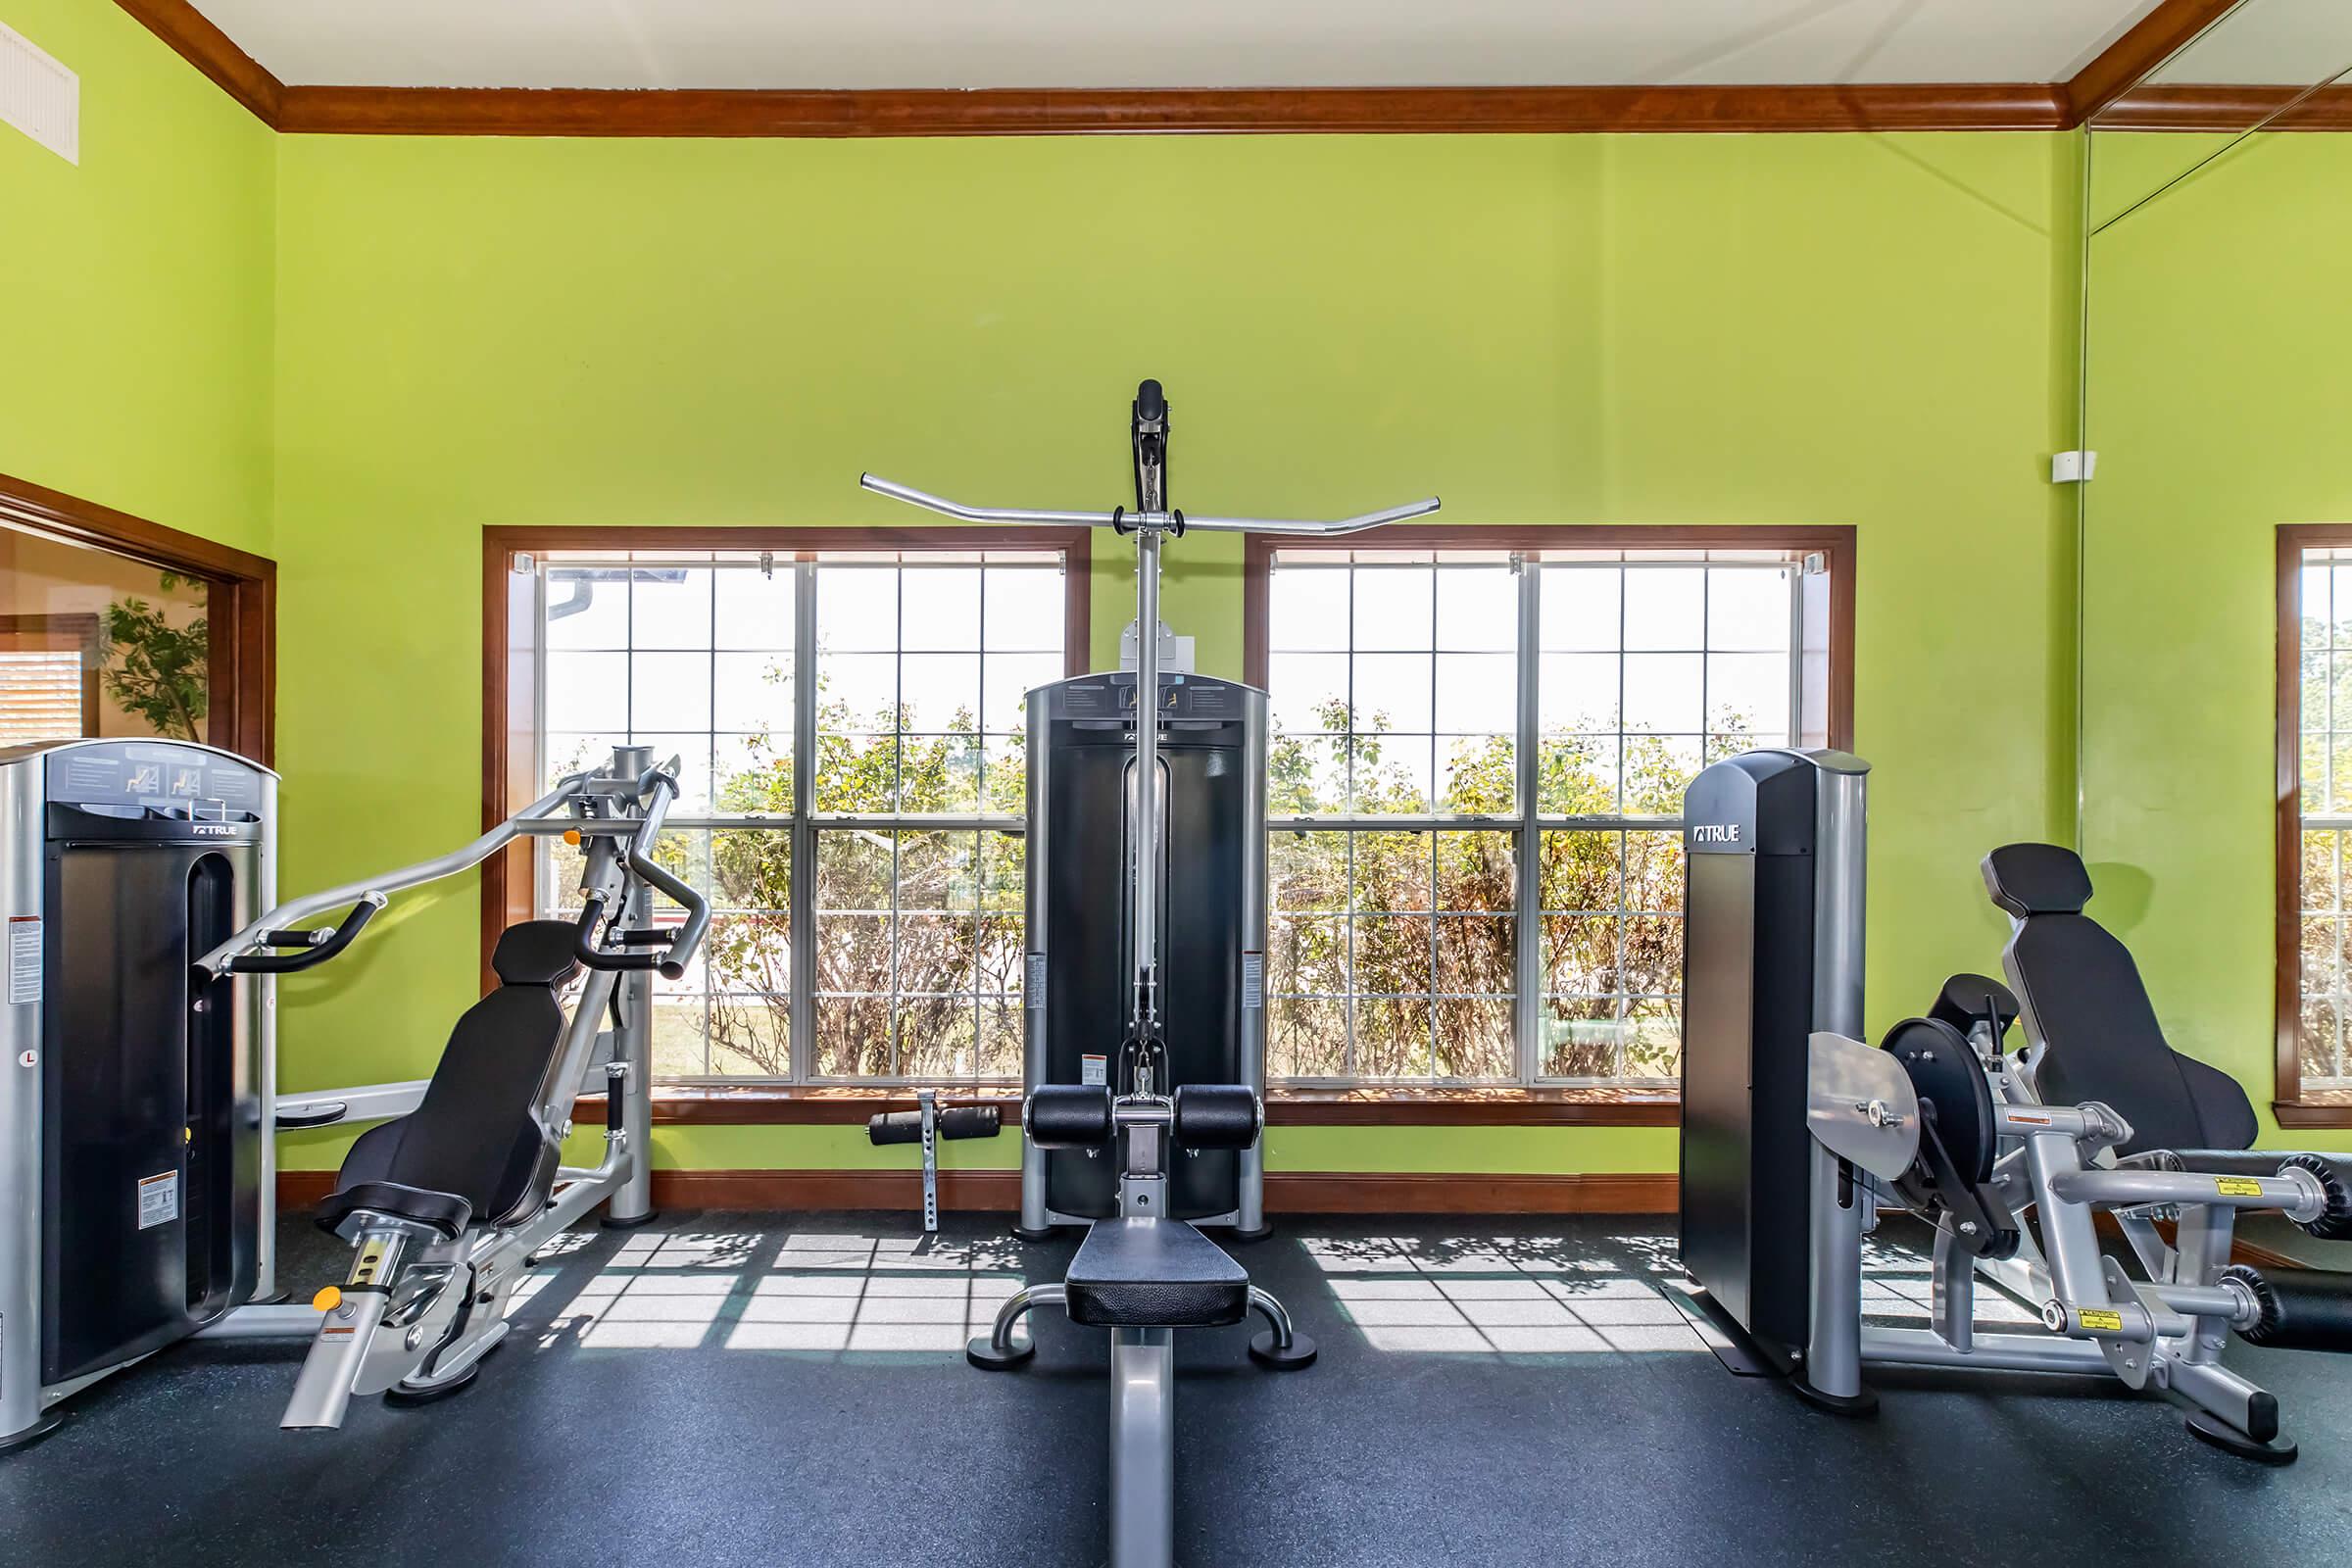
<point>474,1147</point>
<point>2099,1031</point>
<point>1153,1273</point>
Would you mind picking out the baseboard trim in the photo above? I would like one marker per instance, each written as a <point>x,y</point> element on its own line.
<point>999,1191</point>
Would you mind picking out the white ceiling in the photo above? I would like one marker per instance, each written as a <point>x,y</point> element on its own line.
<point>1173,43</point>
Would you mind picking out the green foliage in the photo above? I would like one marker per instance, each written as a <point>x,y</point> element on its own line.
<point>1427,969</point>
<point>156,670</point>
<point>1424,972</point>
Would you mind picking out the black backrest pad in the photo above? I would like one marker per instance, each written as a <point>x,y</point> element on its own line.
<point>2037,879</point>
<point>537,953</point>
<point>2100,1031</point>
<point>477,1134</point>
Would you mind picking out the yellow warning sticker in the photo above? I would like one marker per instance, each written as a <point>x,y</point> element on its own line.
<point>2238,1186</point>
<point>2097,1318</point>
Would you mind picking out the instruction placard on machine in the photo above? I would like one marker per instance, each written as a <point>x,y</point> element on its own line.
<point>159,1200</point>
<point>1094,1071</point>
<point>23,958</point>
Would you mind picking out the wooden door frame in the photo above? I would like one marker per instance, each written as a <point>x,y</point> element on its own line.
<point>241,609</point>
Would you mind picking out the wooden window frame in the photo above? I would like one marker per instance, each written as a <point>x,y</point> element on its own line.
<point>2290,1105</point>
<point>57,634</point>
<point>1828,649</point>
<point>506,717</point>
<point>509,683</point>
<point>240,609</point>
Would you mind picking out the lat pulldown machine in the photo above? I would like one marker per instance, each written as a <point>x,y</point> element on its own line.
<point>1143,1273</point>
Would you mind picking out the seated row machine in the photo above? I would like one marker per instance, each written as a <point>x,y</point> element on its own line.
<point>1143,1276</point>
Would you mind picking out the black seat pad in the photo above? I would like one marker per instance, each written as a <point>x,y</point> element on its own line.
<point>1153,1274</point>
<point>2098,1028</point>
<point>444,1213</point>
<point>477,1134</point>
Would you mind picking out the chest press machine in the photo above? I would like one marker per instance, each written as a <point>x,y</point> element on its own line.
<point>2009,1155</point>
<point>1141,1272</point>
<point>444,1205</point>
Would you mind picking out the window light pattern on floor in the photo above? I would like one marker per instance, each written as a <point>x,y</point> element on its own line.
<point>1506,1294</point>
<point>818,1291</point>
<point>1896,1291</point>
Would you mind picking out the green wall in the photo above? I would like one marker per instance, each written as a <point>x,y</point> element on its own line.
<point>1722,330</point>
<point>2219,401</point>
<point>135,333</point>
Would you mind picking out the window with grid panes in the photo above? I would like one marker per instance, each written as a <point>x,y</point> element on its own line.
<point>1474,784</point>
<point>2324,705</point>
<point>867,909</point>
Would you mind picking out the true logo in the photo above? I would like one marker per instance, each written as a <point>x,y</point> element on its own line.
<point>1715,833</point>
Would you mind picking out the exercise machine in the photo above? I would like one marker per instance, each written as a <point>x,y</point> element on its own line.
<point>927,1124</point>
<point>1209,867</point>
<point>445,1206</point>
<point>1198,989</point>
<point>1143,1277</point>
<point>1143,1272</point>
<point>137,1167</point>
<point>2009,1155</point>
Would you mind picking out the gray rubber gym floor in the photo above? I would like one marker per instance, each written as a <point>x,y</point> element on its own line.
<point>789,1390</point>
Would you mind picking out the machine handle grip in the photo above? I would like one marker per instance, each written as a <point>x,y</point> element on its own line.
<point>664,788</point>
<point>314,951</point>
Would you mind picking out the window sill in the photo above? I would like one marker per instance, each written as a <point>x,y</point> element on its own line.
<point>792,1105</point>
<point>2330,1109</point>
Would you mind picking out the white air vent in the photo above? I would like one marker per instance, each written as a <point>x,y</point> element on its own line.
<point>39,97</point>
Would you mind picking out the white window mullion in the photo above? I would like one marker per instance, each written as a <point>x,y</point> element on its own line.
<point>1528,1008</point>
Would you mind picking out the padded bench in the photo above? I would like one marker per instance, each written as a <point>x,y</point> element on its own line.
<point>1153,1274</point>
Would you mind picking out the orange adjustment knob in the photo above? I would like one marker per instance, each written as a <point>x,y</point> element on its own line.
<point>572,836</point>
<point>327,1300</point>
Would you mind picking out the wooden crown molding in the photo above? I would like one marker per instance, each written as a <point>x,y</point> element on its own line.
<point>2225,108</point>
<point>194,37</point>
<point>1020,111</point>
<point>2145,45</point>
<point>1423,111</point>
